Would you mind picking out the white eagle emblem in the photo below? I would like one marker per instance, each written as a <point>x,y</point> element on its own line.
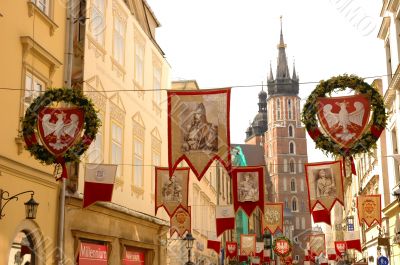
<point>59,128</point>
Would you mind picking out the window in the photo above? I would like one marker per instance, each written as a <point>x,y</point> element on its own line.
<point>43,5</point>
<point>139,63</point>
<point>278,109</point>
<point>294,204</point>
<point>286,203</point>
<point>23,249</point>
<point>301,184</point>
<point>291,166</point>
<point>292,148</point>
<point>303,223</point>
<point>155,153</point>
<point>119,40</point>
<point>97,21</point>
<point>157,85</point>
<point>33,87</point>
<point>284,184</point>
<point>95,151</point>
<point>290,130</point>
<point>138,162</point>
<point>116,147</point>
<point>297,257</point>
<point>395,151</point>
<point>388,59</point>
<point>290,109</point>
<point>293,184</point>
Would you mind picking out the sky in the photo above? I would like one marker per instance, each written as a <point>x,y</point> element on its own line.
<point>232,43</point>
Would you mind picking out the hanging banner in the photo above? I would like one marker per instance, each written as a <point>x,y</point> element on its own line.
<point>247,245</point>
<point>92,254</point>
<point>224,218</point>
<point>198,129</point>
<point>340,248</point>
<point>171,192</point>
<point>325,184</point>
<point>180,221</point>
<point>321,216</point>
<point>231,249</point>
<point>273,217</point>
<point>248,188</point>
<point>317,244</point>
<point>369,209</point>
<point>133,257</point>
<point>214,245</point>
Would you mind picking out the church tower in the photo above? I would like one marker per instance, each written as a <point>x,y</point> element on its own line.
<point>286,151</point>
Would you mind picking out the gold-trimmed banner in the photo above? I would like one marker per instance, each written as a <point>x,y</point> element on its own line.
<point>369,209</point>
<point>273,217</point>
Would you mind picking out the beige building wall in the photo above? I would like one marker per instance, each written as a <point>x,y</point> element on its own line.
<point>32,49</point>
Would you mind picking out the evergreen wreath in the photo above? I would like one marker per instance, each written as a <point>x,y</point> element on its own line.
<point>285,239</point>
<point>368,139</point>
<point>29,124</point>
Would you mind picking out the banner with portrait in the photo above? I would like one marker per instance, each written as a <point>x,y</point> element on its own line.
<point>247,244</point>
<point>171,190</point>
<point>325,184</point>
<point>369,209</point>
<point>180,221</point>
<point>231,249</point>
<point>317,244</point>
<point>273,217</point>
<point>198,129</point>
<point>248,188</point>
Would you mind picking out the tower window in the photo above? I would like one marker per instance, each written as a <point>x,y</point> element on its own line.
<point>278,109</point>
<point>294,204</point>
<point>290,130</point>
<point>293,184</point>
<point>291,148</point>
<point>292,166</point>
<point>290,110</point>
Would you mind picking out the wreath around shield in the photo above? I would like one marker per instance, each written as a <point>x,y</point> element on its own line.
<point>285,239</point>
<point>368,139</point>
<point>29,124</point>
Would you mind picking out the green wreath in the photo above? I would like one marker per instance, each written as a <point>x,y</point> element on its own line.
<point>29,124</point>
<point>285,239</point>
<point>367,141</point>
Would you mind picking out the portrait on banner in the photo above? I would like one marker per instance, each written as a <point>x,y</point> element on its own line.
<point>247,188</point>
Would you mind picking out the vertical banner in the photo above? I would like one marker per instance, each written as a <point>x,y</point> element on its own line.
<point>340,248</point>
<point>325,184</point>
<point>214,245</point>
<point>224,218</point>
<point>369,209</point>
<point>317,244</point>
<point>231,249</point>
<point>248,188</point>
<point>247,245</point>
<point>198,129</point>
<point>171,192</point>
<point>180,221</point>
<point>273,217</point>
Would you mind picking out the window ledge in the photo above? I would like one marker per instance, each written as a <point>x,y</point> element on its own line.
<point>33,9</point>
<point>99,49</point>
<point>119,68</point>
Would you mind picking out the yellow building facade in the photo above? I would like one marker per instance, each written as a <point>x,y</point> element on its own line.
<point>32,53</point>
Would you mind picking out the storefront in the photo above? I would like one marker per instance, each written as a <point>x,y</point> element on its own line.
<point>106,233</point>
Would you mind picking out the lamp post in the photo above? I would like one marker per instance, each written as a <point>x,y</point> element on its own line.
<point>30,206</point>
<point>189,244</point>
<point>267,237</point>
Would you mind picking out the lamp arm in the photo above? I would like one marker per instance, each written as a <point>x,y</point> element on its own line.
<point>5,195</point>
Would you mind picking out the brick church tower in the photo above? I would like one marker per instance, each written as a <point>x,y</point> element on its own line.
<point>278,128</point>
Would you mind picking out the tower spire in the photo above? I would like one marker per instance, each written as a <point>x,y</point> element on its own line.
<point>282,71</point>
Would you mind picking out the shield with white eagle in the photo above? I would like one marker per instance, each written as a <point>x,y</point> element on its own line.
<point>344,119</point>
<point>59,128</point>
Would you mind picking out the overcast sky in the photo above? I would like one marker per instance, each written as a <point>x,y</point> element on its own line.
<point>228,43</point>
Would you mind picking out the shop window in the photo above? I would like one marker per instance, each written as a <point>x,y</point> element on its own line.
<point>92,252</point>
<point>133,256</point>
<point>22,250</point>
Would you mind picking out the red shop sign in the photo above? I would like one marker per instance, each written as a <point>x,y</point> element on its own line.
<point>92,254</point>
<point>133,257</point>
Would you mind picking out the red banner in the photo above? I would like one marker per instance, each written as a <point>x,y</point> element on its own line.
<point>231,249</point>
<point>180,221</point>
<point>133,257</point>
<point>369,209</point>
<point>214,245</point>
<point>92,254</point>
<point>321,216</point>
<point>224,218</point>
<point>198,129</point>
<point>171,192</point>
<point>248,188</point>
<point>273,217</point>
<point>340,248</point>
<point>344,119</point>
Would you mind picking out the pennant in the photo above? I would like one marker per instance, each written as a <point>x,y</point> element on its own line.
<point>340,248</point>
<point>248,188</point>
<point>171,192</point>
<point>369,209</point>
<point>317,244</point>
<point>225,218</point>
<point>231,249</point>
<point>321,216</point>
<point>180,221</point>
<point>247,244</point>
<point>352,239</point>
<point>214,245</point>
<point>99,183</point>
<point>198,129</point>
<point>344,119</point>
<point>325,184</point>
<point>273,217</point>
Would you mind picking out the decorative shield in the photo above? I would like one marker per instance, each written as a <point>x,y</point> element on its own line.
<point>231,249</point>
<point>59,128</point>
<point>369,209</point>
<point>340,247</point>
<point>282,246</point>
<point>344,119</point>
<point>180,221</point>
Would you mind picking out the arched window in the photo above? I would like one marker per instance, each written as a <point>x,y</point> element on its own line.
<point>278,109</point>
<point>293,184</point>
<point>292,148</point>
<point>286,203</point>
<point>291,166</point>
<point>290,110</point>
<point>23,250</point>
<point>290,131</point>
<point>294,204</point>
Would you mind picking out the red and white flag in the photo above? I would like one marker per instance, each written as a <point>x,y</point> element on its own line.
<point>340,248</point>
<point>99,183</point>
<point>225,218</point>
<point>231,249</point>
<point>214,245</point>
<point>352,239</point>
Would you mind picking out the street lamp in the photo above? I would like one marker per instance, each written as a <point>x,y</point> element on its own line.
<point>267,237</point>
<point>30,206</point>
<point>189,244</point>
